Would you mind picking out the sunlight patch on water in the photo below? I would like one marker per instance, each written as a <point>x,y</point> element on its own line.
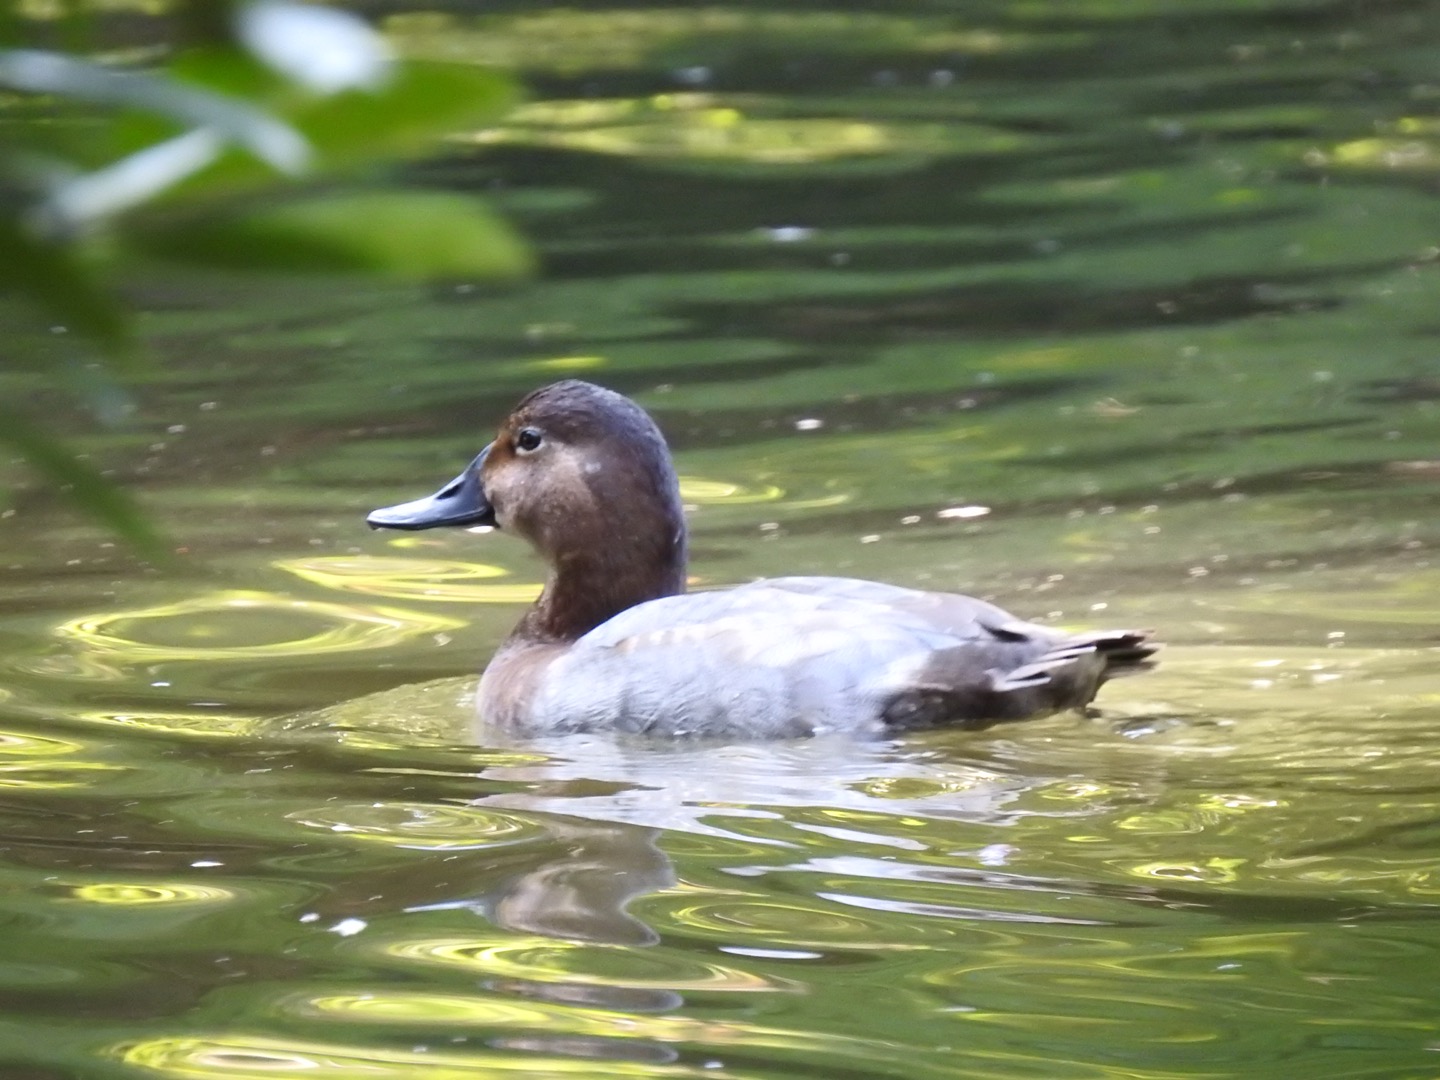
<point>724,132</point>
<point>696,489</point>
<point>132,894</point>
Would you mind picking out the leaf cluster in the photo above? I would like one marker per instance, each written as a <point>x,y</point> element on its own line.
<point>255,138</point>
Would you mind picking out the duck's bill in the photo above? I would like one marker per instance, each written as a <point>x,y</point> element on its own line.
<point>460,502</point>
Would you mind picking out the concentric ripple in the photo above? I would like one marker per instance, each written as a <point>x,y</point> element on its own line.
<point>148,894</point>
<point>412,579</point>
<point>243,625</point>
<point>424,826</point>
<point>695,489</point>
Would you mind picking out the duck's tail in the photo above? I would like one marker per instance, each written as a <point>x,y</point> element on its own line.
<point>1107,654</point>
<point>1125,652</point>
<point>1065,676</point>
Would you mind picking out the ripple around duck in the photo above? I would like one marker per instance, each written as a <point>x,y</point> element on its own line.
<point>238,1057</point>
<point>242,625</point>
<point>549,960</point>
<point>412,579</point>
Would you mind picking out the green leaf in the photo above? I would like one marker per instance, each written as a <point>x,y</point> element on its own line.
<point>423,103</point>
<point>38,71</point>
<point>414,235</point>
<point>57,277</point>
<point>96,495</point>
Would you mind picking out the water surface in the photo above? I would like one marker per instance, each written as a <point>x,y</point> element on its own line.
<point>1115,313</point>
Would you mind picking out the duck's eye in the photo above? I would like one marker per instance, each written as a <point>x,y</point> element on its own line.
<point>528,440</point>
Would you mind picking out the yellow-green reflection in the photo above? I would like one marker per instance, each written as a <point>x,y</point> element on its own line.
<point>1211,871</point>
<point>540,958</point>
<point>42,762</point>
<point>701,127</point>
<point>15,744</point>
<point>570,40</point>
<point>1420,155</point>
<point>86,666</point>
<point>411,579</point>
<point>54,775</point>
<point>1210,810</point>
<point>568,363</point>
<point>239,1057</point>
<point>426,826</point>
<point>122,894</point>
<point>451,1010</point>
<point>208,724</point>
<point>788,921</point>
<point>696,489</point>
<point>226,626</point>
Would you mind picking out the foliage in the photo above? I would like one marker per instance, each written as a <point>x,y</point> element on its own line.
<point>213,152</point>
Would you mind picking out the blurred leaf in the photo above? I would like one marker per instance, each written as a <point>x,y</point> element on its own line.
<point>417,235</point>
<point>96,495</point>
<point>106,192</point>
<point>39,72</point>
<point>422,104</point>
<point>425,102</point>
<point>321,48</point>
<point>57,278</point>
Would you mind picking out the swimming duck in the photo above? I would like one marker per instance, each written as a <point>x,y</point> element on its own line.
<point>614,642</point>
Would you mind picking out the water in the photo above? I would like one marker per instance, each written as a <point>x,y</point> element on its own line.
<point>1116,313</point>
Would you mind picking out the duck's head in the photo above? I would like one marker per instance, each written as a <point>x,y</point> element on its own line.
<point>581,472</point>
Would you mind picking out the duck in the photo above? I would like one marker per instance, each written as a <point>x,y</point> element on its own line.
<point>615,644</point>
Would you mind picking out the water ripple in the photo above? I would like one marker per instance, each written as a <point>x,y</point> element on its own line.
<point>585,963</point>
<point>411,579</point>
<point>244,625</point>
<point>238,1057</point>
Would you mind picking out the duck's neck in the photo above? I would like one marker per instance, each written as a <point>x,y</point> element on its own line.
<point>587,588</point>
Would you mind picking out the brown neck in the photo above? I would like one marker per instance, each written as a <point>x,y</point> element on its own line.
<point>587,588</point>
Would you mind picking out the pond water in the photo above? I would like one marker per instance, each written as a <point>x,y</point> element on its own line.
<point>1114,311</point>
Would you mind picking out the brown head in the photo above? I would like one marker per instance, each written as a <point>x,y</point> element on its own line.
<point>584,475</point>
